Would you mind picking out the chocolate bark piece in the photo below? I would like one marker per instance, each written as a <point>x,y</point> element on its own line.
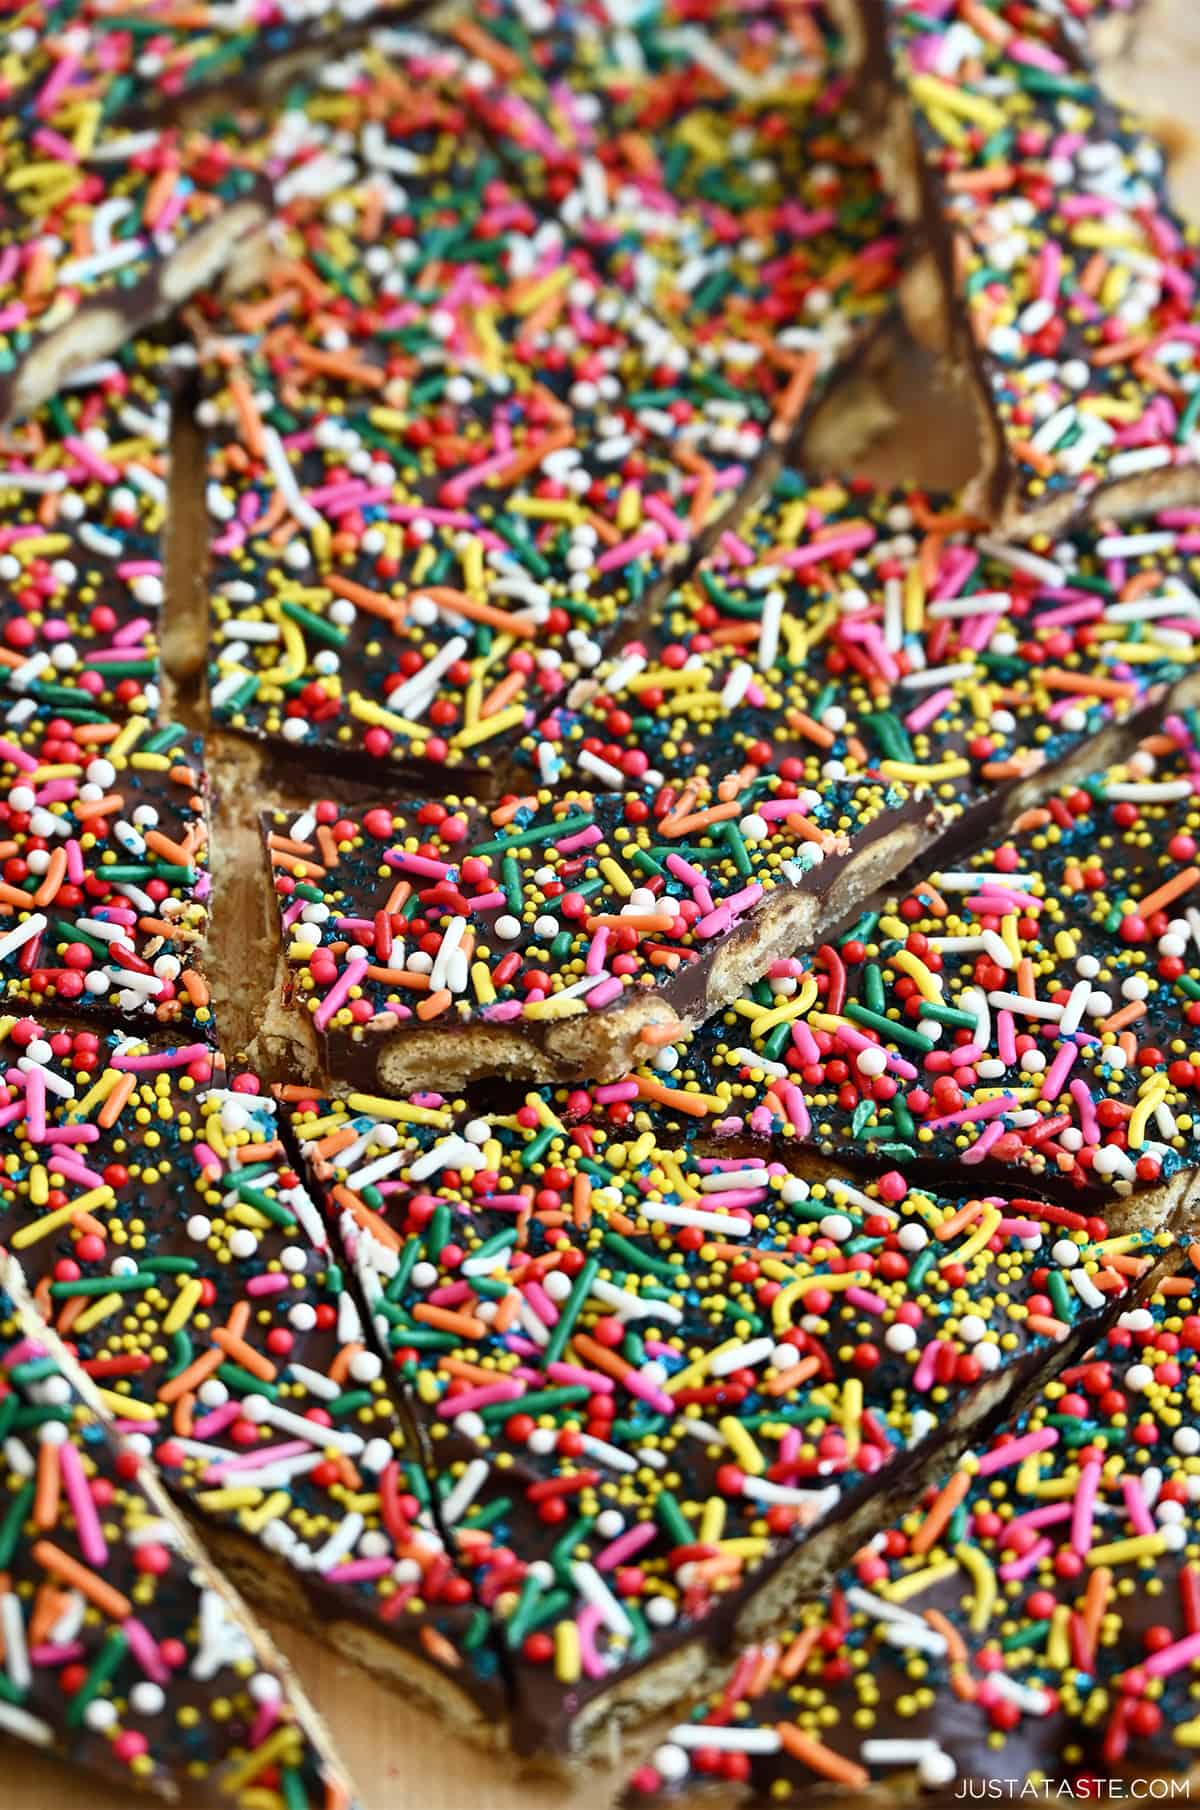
<point>557,935</point>
<point>125,1652</point>
<point>83,494</point>
<point>700,161</point>
<point>1055,272</point>
<point>154,1211</point>
<point>490,446</point>
<point>1034,1006</point>
<point>104,898</point>
<point>104,228</point>
<point>664,1392</point>
<point>838,628</point>
<point>1034,1618</point>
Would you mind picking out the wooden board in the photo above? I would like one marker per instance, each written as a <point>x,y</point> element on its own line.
<point>400,1755</point>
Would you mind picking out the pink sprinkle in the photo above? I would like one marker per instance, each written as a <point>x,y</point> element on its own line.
<point>625,1545</point>
<point>1135,1502</point>
<point>983,1143</point>
<point>1084,1508</point>
<point>350,976</point>
<point>87,1522</point>
<point>144,1648</point>
<point>1013,1451</point>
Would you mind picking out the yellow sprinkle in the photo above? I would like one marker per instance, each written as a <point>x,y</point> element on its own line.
<point>984,1231</point>
<point>781,1307</point>
<point>712,1521</point>
<point>555,1008</point>
<point>663,680</point>
<point>912,965</point>
<point>917,1581</point>
<point>932,91</point>
<point>490,726</point>
<point>279,1747</point>
<point>472,564</point>
<point>1153,1095</point>
<point>481,980</point>
<point>568,1662</point>
<point>1121,1552</point>
<point>1058,1641</point>
<point>551,283</point>
<point>914,601</point>
<point>741,1445</point>
<point>974,1562</point>
<point>184,1305</point>
<point>916,775</point>
<point>125,1407</point>
<point>255,1519</point>
<point>129,737</point>
<point>852,1405</point>
<point>1008,935</point>
<point>616,876</point>
<point>397,1109</point>
<point>629,508</point>
<point>548,509</point>
<point>368,711</point>
<point>219,1501</point>
<point>99,1310</point>
<point>767,1019</point>
<point>37,1229</point>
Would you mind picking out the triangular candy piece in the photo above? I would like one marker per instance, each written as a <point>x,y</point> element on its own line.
<point>123,1650</point>
<point>663,1392</point>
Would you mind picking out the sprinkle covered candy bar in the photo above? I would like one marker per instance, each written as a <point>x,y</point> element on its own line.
<point>1036,1617</point>
<point>104,884</point>
<point>165,1236</point>
<point>83,490</point>
<point>1034,1006</point>
<point>560,934</point>
<point>836,628</point>
<point>700,165</point>
<point>451,444</point>
<point>123,1651</point>
<point>663,1392</point>
<point>103,228</point>
<point>1056,271</point>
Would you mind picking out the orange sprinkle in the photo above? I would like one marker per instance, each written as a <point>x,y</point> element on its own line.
<point>446,1320</point>
<point>110,1602</point>
<point>948,1499</point>
<point>49,1482</point>
<point>822,1759</point>
<point>436,1004</point>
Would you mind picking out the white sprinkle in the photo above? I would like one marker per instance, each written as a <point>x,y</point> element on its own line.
<point>1149,792</point>
<point>602,770</point>
<point>1126,546</point>
<point>455,1505</point>
<point>22,934</point>
<point>741,1357</point>
<point>726,1739</point>
<point>657,1210</point>
<point>981,603</point>
<point>934,676</point>
<point>768,641</point>
<point>591,1585</point>
<point>1029,1008</point>
<point>722,1180</point>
